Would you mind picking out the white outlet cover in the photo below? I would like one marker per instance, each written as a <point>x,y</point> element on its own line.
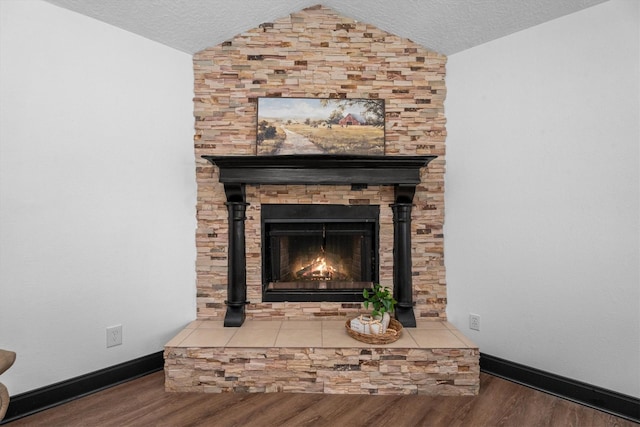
<point>114,336</point>
<point>474,322</point>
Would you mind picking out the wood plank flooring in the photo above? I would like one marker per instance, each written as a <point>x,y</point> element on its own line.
<point>143,402</point>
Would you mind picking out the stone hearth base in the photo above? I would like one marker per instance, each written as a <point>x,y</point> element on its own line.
<point>320,357</point>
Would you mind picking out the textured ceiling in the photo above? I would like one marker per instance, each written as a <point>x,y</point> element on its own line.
<point>446,26</point>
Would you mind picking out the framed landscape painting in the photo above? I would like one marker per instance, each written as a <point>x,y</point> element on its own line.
<point>320,126</point>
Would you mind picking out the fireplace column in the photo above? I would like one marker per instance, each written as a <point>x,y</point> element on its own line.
<point>236,257</point>
<point>402,274</point>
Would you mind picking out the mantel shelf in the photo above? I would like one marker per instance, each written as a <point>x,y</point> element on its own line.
<point>320,169</point>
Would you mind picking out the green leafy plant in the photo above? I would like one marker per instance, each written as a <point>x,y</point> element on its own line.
<point>380,299</point>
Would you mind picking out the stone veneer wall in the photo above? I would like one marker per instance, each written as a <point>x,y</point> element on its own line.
<point>317,53</point>
<point>433,372</point>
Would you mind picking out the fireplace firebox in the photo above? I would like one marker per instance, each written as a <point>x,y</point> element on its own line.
<point>318,252</point>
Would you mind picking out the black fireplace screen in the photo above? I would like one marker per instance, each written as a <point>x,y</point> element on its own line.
<point>318,252</point>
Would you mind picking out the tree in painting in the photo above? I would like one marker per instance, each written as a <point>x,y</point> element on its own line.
<point>371,109</point>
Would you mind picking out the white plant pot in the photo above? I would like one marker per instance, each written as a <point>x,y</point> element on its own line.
<point>384,321</point>
<point>386,318</point>
<point>376,328</point>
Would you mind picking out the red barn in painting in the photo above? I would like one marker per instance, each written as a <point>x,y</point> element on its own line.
<point>351,120</point>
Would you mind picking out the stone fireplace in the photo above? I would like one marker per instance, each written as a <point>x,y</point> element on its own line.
<point>381,216</point>
<point>318,54</point>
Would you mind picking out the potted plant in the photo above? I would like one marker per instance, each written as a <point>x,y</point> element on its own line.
<point>377,328</point>
<point>382,303</point>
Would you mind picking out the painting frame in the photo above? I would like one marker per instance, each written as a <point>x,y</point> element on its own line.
<point>317,126</point>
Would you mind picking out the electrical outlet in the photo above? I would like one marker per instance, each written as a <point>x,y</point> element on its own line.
<point>474,322</point>
<point>114,335</point>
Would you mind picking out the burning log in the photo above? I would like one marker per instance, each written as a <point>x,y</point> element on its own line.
<point>318,269</point>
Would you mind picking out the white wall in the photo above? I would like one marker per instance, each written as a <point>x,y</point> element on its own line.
<point>97,194</point>
<point>542,193</point>
<point>97,187</point>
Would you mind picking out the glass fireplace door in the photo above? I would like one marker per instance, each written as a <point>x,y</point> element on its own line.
<point>319,253</point>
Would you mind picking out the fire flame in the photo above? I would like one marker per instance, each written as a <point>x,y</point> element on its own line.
<point>317,269</point>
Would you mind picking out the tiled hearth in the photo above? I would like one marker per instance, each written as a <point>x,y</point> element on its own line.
<point>318,356</point>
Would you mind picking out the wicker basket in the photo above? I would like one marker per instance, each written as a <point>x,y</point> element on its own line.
<point>393,333</point>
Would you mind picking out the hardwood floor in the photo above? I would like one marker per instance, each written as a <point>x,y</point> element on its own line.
<point>143,402</point>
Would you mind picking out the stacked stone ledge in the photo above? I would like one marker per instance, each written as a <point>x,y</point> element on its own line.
<point>441,372</point>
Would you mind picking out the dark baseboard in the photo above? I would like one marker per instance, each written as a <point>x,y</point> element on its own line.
<point>617,404</point>
<point>43,398</point>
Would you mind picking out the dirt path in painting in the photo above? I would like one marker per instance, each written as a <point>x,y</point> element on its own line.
<point>297,144</point>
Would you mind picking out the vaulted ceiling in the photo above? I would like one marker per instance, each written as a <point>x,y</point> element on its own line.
<point>446,26</point>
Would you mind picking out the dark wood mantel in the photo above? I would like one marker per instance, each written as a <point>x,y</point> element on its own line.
<point>320,169</point>
<point>403,172</point>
